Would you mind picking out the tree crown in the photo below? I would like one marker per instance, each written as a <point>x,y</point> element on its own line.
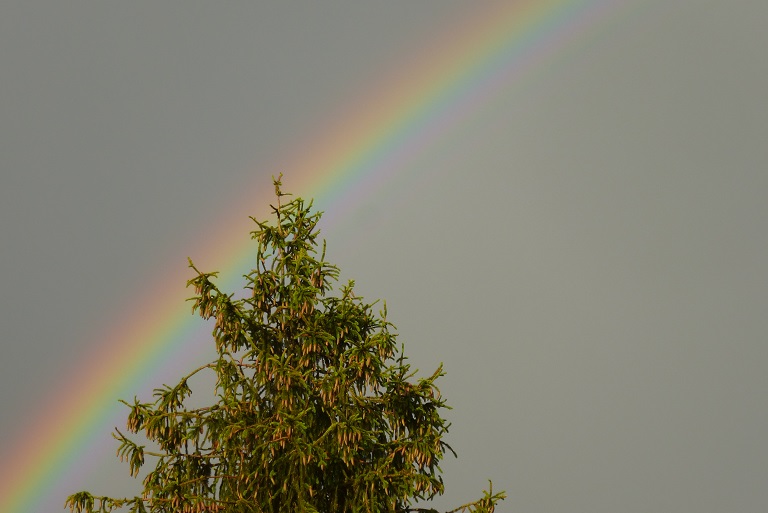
<point>317,411</point>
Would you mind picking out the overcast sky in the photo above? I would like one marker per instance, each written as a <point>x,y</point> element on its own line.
<point>586,251</point>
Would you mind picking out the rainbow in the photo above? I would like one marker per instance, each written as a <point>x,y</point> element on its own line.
<point>485,53</point>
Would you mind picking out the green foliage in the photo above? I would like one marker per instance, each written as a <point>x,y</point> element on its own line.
<point>317,409</point>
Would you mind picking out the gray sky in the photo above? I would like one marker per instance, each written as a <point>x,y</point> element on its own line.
<point>586,252</point>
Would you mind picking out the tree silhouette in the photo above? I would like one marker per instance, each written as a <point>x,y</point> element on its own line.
<point>317,410</point>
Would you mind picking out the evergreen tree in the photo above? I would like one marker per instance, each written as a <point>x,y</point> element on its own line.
<point>317,409</point>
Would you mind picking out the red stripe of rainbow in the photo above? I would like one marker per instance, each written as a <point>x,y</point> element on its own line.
<point>476,59</point>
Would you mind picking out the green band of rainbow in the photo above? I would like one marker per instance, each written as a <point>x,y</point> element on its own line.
<point>482,55</point>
